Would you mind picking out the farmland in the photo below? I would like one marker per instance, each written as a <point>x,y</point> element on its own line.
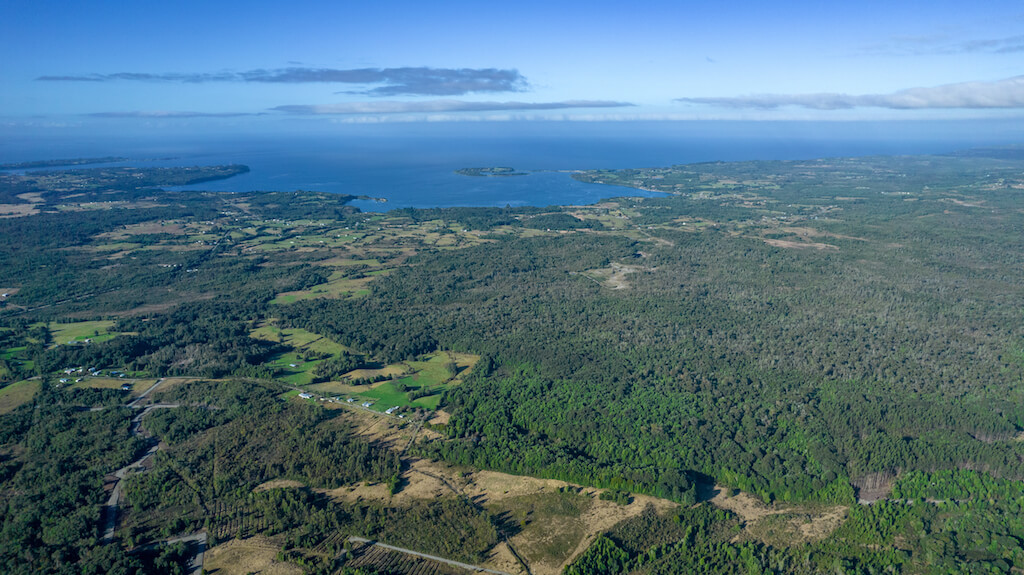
<point>749,355</point>
<point>16,394</point>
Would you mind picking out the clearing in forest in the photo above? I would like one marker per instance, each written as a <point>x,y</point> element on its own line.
<point>549,522</point>
<point>257,554</point>
<point>415,383</point>
<point>80,332</point>
<point>616,276</point>
<point>17,394</point>
<point>780,524</point>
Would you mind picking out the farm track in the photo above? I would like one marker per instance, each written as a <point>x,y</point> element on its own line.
<point>110,510</point>
<point>383,558</point>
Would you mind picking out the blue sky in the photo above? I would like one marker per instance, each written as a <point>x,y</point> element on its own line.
<point>239,63</point>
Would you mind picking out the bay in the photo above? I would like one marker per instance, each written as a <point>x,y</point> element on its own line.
<point>413,165</point>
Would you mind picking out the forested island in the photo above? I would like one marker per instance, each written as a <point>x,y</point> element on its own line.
<point>489,172</point>
<point>779,367</point>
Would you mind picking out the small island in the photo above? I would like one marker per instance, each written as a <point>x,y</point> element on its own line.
<point>490,172</point>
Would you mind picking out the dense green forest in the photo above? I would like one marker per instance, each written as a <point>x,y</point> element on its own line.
<point>809,333</point>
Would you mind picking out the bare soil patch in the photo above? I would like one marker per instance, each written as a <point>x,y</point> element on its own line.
<point>242,556</point>
<point>164,306</point>
<point>603,515</point>
<point>749,508</point>
<point>799,245</point>
<point>977,204</point>
<point>32,197</point>
<point>822,525</point>
<point>873,486</point>
<point>378,427</point>
<point>278,484</point>
<point>501,559</point>
<point>780,524</point>
<point>549,537</point>
<point>171,382</point>
<point>18,210</point>
<point>441,417</point>
<point>813,233</point>
<point>615,277</point>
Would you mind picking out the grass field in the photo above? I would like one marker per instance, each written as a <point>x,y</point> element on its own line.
<point>17,355</point>
<point>293,368</point>
<point>16,394</point>
<point>337,286</point>
<point>138,385</point>
<point>252,555</point>
<point>430,373</point>
<point>96,331</point>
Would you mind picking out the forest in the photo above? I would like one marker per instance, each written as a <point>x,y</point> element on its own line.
<point>840,334</point>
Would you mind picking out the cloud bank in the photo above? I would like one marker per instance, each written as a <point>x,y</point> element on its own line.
<point>1008,93</point>
<point>421,81</point>
<point>440,106</point>
<point>169,114</point>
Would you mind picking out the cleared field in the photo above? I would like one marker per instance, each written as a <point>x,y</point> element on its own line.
<point>64,333</point>
<point>550,522</point>
<point>137,385</point>
<point>433,373</point>
<point>298,338</point>
<point>342,262</point>
<point>781,524</point>
<point>377,559</point>
<point>17,394</point>
<point>338,287</point>
<point>294,367</point>
<point>256,554</point>
<point>17,355</point>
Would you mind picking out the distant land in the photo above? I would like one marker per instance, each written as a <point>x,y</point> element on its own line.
<point>57,163</point>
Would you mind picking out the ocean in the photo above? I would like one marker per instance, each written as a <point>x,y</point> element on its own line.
<point>413,165</point>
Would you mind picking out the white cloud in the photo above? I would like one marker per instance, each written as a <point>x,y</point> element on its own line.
<point>439,107</point>
<point>1002,94</point>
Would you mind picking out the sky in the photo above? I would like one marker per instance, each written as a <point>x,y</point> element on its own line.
<point>233,64</point>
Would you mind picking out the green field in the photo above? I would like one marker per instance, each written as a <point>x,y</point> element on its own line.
<point>137,385</point>
<point>96,331</point>
<point>16,354</point>
<point>337,286</point>
<point>430,373</point>
<point>293,369</point>
<point>299,339</point>
<point>16,394</point>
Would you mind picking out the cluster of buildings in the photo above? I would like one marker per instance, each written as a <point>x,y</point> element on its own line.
<point>352,401</point>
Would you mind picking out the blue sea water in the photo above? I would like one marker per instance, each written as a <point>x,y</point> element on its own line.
<point>413,165</point>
